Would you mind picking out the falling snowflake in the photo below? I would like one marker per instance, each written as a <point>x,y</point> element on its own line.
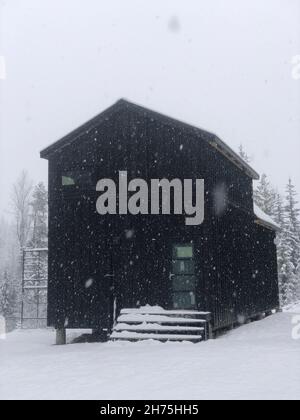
<point>89,283</point>
<point>129,234</point>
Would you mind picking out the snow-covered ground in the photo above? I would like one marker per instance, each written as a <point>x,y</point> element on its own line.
<point>256,361</point>
<point>293,308</point>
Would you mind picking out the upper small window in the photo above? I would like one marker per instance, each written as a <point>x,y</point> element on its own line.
<point>184,252</point>
<point>67,181</point>
<point>76,179</point>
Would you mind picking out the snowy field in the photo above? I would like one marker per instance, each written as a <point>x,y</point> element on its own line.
<point>256,361</point>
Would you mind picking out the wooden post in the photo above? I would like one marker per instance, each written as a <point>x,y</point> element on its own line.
<point>210,332</point>
<point>61,336</point>
<point>207,332</point>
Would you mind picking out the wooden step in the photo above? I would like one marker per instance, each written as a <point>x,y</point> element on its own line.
<point>134,336</point>
<point>156,311</point>
<point>158,319</point>
<point>157,329</point>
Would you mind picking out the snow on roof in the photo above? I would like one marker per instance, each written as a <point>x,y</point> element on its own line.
<point>265,219</point>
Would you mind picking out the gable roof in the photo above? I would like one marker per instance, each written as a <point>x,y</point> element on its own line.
<point>211,138</point>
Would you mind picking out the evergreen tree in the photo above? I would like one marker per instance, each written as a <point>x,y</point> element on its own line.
<point>286,215</point>
<point>21,196</point>
<point>39,206</point>
<point>278,210</point>
<point>10,267</point>
<point>282,257</point>
<point>265,196</point>
<point>286,270</point>
<point>7,296</point>
<point>292,241</point>
<point>298,282</point>
<point>244,155</point>
<point>292,211</point>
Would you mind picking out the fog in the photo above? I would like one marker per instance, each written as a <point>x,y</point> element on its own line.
<point>224,65</point>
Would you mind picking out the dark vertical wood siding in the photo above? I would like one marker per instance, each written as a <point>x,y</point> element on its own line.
<point>235,258</point>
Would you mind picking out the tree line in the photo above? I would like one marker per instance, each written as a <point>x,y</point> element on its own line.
<point>284,210</point>
<point>26,228</point>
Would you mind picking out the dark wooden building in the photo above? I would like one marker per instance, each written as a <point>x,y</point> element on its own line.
<point>100,264</point>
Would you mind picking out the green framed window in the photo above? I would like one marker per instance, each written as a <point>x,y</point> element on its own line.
<point>67,181</point>
<point>76,179</point>
<point>184,281</point>
<point>183,252</point>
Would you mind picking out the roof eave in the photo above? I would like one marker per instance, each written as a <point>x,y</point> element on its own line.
<point>267,225</point>
<point>222,147</point>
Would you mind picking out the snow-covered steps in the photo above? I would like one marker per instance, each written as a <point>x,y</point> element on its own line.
<point>155,323</point>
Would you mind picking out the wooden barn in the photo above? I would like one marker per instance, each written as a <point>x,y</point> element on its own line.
<point>152,275</point>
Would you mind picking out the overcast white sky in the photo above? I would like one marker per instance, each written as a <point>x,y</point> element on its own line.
<point>224,65</point>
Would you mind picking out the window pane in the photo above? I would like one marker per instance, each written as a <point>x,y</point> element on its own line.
<point>184,300</point>
<point>76,178</point>
<point>183,267</point>
<point>184,252</point>
<point>67,181</point>
<point>184,283</point>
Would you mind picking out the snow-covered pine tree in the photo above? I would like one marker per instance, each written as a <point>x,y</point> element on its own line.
<point>243,154</point>
<point>273,204</point>
<point>7,296</point>
<point>286,270</point>
<point>298,282</point>
<point>278,212</point>
<point>265,196</point>
<point>292,242</point>
<point>10,261</point>
<point>21,196</point>
<point>292,211</point>
<point>282,257</point>
<point>39,205</point>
